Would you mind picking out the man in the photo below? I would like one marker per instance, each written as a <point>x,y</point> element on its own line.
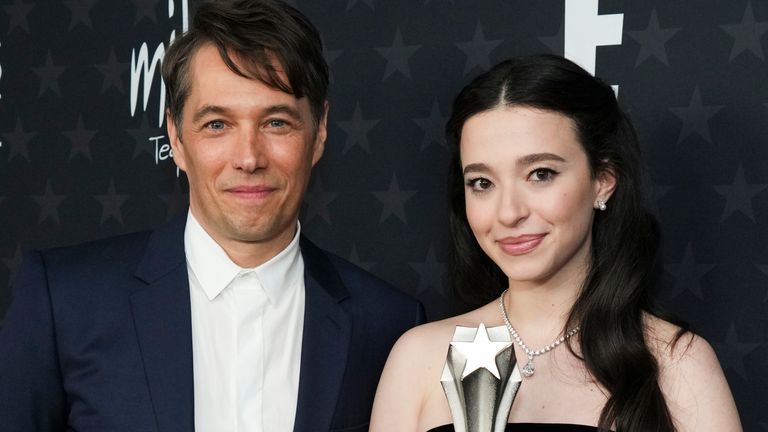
<point>226,319</point>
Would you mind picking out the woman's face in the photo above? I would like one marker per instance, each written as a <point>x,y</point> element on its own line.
<point>530,195</point>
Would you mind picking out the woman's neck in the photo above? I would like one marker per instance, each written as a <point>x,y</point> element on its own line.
<point>538,311</point>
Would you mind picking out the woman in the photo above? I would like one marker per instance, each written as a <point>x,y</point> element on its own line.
<point>546,203</point>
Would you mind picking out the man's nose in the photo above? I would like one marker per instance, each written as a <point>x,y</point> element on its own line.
<point>250,151</point>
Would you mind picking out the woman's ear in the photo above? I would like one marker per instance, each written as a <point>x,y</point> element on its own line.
<point>606,184</point>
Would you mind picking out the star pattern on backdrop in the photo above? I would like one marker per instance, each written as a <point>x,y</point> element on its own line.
<point>12,263</point>
<point>430,272</point>
<point>357,129</point>
<point>704,60</point>
<point>145,9</point>
<point>112,71</point>
<point>480,353</point>
<point>688,274</point>
<point>656,194</point>
<point>316,202</point>
<point>731,352</point>
<point>141,135</point>
<point>478,50</point>
<point>653,40</point>
<point>352,3</point>
<point>555,42</point>
<point>747,34</point>
<point>80,10</point>
<point>659,191</point>
<point>355,259</point>
<point>394,200</point>
<point>397,56</point>
<point>433,127</point>
<point>80,137</point>
<point>739,195</point>
<point>764,269</point>
<point>18,12</point>
<point>18,140</point>
<point>111,204</point>
<point>696,117</point>
<point>49,204</point>
<point>175,201</point>
<point>49,75</point>
<point>330,56</point>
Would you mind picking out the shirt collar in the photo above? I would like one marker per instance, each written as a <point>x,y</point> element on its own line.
<point>215,270</point>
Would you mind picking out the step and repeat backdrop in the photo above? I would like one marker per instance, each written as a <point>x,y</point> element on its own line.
<point>84,153</point>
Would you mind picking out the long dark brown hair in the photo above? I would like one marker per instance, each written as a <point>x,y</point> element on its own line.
<point>618,287</point>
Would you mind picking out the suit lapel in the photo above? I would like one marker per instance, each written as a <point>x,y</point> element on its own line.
<point>327,330</point>
<point>162,318</point>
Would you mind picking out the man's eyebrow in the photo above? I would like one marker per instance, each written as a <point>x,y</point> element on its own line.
<point>207,109</point>
<point>538,157</point>
<point>285,109</point>
<point>273,109</point>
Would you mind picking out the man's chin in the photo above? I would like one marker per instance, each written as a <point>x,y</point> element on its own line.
<point>259,232</point>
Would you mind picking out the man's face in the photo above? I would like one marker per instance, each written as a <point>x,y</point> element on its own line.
<point>248,151</point>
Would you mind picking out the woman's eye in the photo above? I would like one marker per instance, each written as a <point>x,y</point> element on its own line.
<point>542,175</point>
<point>479,184</point>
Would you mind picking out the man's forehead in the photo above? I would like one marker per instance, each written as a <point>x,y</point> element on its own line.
<point>208,57</point>
<point>212,78</point>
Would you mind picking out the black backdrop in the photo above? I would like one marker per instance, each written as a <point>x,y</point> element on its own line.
<point>80,160</point>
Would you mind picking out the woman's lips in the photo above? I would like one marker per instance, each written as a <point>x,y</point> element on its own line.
<point>520,245</point>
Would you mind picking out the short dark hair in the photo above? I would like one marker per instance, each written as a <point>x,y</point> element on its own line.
<point>617,291</point>
<point>263,37</point>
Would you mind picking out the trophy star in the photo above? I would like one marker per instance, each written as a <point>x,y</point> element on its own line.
<point>480,353</point>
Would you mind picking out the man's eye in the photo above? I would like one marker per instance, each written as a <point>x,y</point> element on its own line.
<point>276,123</point>
<point>215,125</point>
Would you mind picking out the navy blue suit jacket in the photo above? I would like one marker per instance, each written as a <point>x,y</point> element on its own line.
<point>98,338</point>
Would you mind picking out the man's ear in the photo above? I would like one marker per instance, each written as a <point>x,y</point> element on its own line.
<point>321,134</point>
<point>179,157</point>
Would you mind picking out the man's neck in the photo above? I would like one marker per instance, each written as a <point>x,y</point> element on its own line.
<point>250,254</point>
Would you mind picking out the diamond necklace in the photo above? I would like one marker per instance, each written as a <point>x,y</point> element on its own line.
<point>528,369</point>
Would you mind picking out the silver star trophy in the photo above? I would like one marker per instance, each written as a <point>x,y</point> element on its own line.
<point>480,378</point>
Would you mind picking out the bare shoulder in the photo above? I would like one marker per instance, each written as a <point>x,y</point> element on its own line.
<point>424,338</point>
<point>692,379</point>
<point>679,350</point>
<point>430,341</point>
<point>412,373</point>
<point>419,354</point>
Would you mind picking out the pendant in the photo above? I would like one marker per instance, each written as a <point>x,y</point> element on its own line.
<point>527,370</point>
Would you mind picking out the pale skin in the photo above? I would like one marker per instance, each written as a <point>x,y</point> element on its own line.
<point>530,200</point>
<point>248,150</point>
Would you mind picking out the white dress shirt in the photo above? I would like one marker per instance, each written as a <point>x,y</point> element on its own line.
<point>247,327</point>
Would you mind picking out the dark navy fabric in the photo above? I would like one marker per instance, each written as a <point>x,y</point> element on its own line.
<point>99,338</point>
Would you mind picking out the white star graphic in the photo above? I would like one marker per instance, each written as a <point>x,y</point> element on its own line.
<point>480,353</point>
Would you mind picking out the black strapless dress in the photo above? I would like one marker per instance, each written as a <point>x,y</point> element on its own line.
<point>530,427</point>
